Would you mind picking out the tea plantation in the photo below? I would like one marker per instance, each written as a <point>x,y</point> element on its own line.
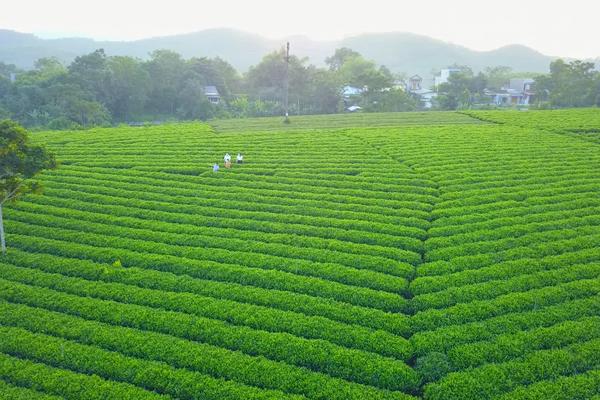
<point>388,256</point>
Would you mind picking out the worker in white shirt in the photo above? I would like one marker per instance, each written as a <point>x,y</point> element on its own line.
<point>227,160</point>
<point>239,159</point>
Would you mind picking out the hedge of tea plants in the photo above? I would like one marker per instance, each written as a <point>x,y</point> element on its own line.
<point>384,257</point>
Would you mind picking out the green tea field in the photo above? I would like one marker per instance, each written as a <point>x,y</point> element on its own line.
<point>437,255</point>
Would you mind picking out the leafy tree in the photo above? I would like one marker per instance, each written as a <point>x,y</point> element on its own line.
<point>340,57</point>
<point>91,73</point>
<point>193,103</point>
<point>7,69</point>
<point>4,114</point>
<point>212,72</point>
<point>239,107</point>
<point>166,70</point>
<point>392,100</point>
<point>497,77</point>
<point>231,78</point>
<point>323,92</point>
<point>71,107</point>
<point>87,113</point>
<point>48,68</point>
<point>19,162</point>
<point>462,89</point>
<point>361,73</point>
<point>266,81</point>
<point>127,85</point>
<point>573,84</point>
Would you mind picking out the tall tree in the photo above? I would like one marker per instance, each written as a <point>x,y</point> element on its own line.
<point>7,69</point>
<point>340,57</point>
<point>166,70</point>
<point>573,84</point>
<point>127,87</point>
<point>362,73</point>
<point>267,79</point>
<point>392,100</point>
<point>91,73</point>
<point>462,89</point>
<point>498,77</point>
<point>19,163</point>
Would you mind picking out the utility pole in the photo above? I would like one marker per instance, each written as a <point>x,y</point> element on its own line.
<point>2,238</point>
<point>287,84</point>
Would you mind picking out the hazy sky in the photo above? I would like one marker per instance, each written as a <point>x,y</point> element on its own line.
<point>554,27</point>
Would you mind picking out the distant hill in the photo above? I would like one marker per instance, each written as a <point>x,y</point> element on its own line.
<point>410,53</point>
<point>239,48</point>
<point>401,52</point>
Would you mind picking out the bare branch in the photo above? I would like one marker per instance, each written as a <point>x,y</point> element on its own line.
<point>12,194</point>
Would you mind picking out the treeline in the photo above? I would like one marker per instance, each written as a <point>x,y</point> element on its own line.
<point>96,89</point>
<point>569,84</point>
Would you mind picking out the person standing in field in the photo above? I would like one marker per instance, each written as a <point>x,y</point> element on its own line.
<point>227,160</point>
<point>239,159</point>
<point>216,167</point>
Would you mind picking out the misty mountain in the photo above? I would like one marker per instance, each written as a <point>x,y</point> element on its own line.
<point>401,52</point>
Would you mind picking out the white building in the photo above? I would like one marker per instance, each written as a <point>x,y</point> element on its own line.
<point>415,86</point>
<point>444,76</point>
<point>350,91</point>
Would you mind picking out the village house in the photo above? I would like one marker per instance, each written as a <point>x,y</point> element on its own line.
<point>351,96</point>
<point>415,86</point>
<point>212,94</point>
<point>350,91</point>
<point>518,92</point>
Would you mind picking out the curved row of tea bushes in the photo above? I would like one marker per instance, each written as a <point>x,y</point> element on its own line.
<point>303,305</point>
<point>12,392</point>
<point>494,288</point>
<point>521,343</point>
<point>185,246</point>
<point>65,383</point>
<point>151,375</point>
<point>220,363</point>
<point>260,318</point>
<point>515,302</point>
<point>319,356</point>
<point>445,338</point>
<point>98,248</point>
<point>581,386</point>
<point>492,380</point>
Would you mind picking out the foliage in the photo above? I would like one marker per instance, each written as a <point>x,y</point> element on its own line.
<point>429,255</point>
<point>393,100</point>
<point>461,90</point>
<point>362,73</point>
<point>19,162</point>
<point>340,57</point>
<point>572,84</point>
<point>432,367</point>
<point>99,90</point>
